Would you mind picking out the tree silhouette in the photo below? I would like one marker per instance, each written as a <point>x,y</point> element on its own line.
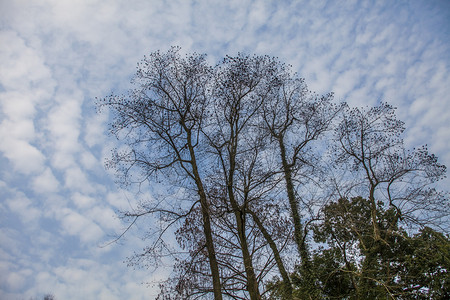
<point>246,161</point>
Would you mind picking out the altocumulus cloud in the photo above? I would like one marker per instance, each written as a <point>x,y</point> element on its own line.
<point>57,201</point>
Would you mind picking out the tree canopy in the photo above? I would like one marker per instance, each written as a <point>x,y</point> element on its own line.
<point>272,191</point>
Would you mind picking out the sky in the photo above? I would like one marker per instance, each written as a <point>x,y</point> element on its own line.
<point>58,204</point>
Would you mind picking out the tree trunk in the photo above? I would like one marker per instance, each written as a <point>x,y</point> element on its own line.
<point>373,214</point>
<point>252,283</point>
<point>239,213</point>
<point>210,246</point>
<point>287,290</point>
<point>206,224</point>
<point>298,227</point>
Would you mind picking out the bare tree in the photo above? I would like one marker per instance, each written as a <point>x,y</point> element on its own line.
<point>161,120</point>
<point>195,127</point>
<point>370,142</point>
<point>240,90</point>
<point>246,215</point>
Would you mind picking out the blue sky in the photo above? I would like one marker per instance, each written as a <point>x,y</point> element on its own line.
<point>57,202</point>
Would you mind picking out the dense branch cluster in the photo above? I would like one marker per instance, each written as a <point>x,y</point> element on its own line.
<point>252,167</point>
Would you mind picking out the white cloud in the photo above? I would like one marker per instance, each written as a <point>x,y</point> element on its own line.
<point>18,105</point>
<point>119,199</point>
<point>83,201</point>
<point>77,181</point>
<point>77,225</point>
<point>21,67</point>
<point>9,239</point>
<point>27,159</point>
<point>15,281</point>
<point>85,279</point>
<point>94,130</point>
<point>106,218</point>
<point>347,81</point>
<point>23,207</point>
<point>64,130</point>
<point>45,183</point>
<point>258,15</point>
<point>89,161</point>
<point>56,56</point>
<point>26,83</point>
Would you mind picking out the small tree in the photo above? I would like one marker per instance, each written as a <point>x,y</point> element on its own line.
<point>404,267</point>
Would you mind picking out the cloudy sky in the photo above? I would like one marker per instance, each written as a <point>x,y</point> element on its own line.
<point>57,202</point>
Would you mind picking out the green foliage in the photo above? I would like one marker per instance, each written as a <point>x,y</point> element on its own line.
<point>426,268</point>
<point>352,264</point>
<point>333,273</point>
